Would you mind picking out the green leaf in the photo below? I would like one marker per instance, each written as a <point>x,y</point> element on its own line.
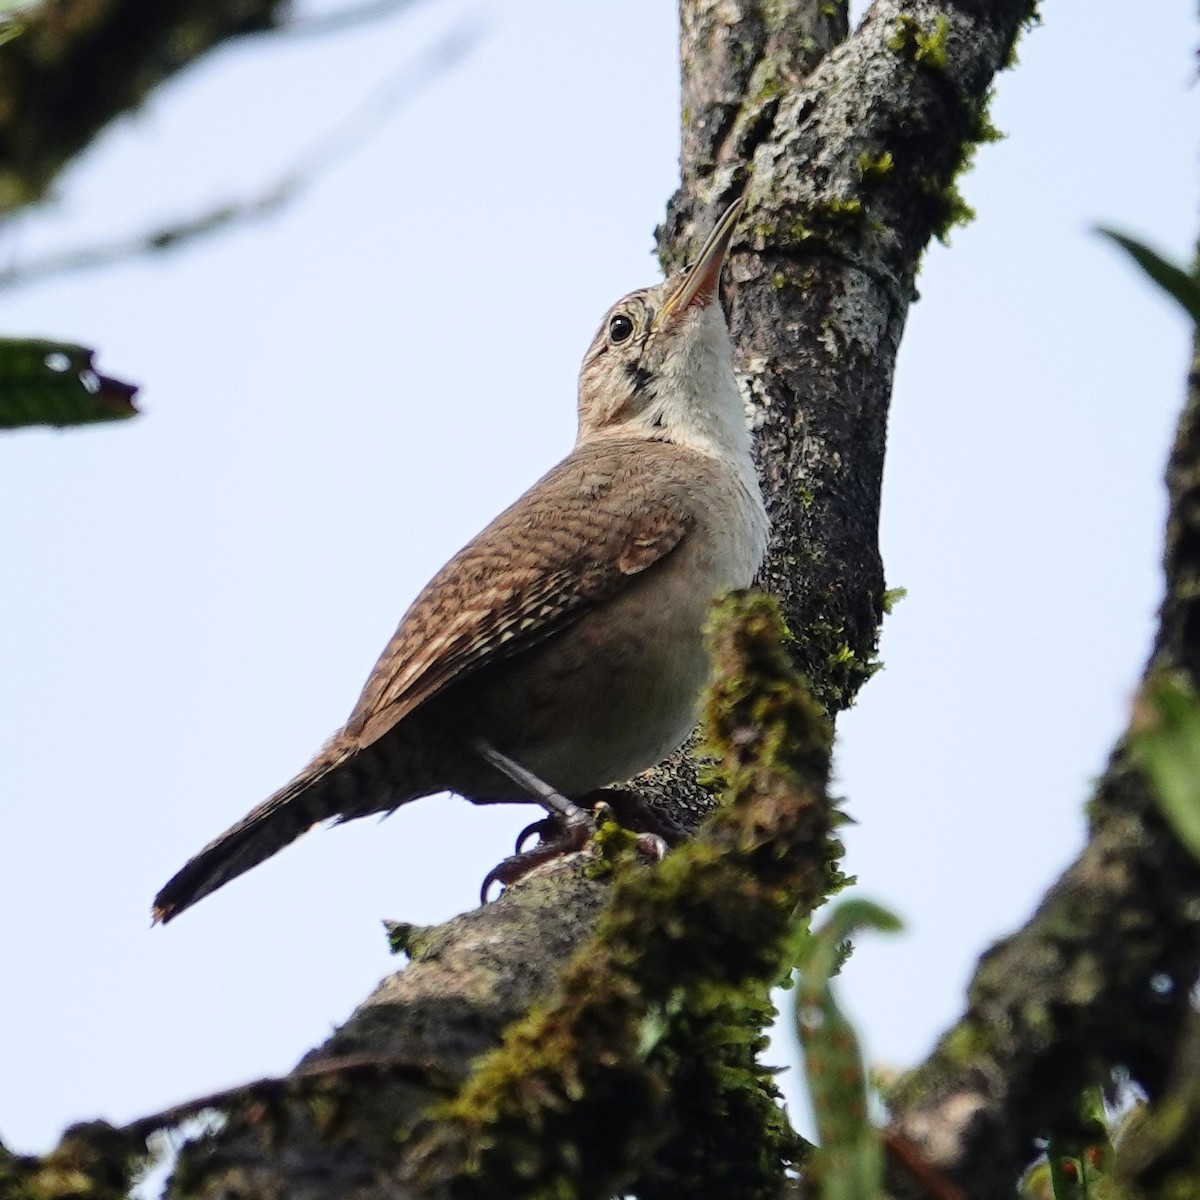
<point>1166,742</point>
<point>849,1162</point>
<point>847,918</point>
<point>1182,285</point>
<point>55,383</point>
<point>11,25</point>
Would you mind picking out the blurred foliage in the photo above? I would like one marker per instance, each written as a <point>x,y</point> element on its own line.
<point>849,1162</point>
<point>1166,742</point>
<point>56,383</point>
<point>1181,285</point>
<point>1158,1145</point>
<point>1081,1161</point>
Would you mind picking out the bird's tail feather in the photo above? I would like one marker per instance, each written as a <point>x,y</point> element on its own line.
<point>319,792</point>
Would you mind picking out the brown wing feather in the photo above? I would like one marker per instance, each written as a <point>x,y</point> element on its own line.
<point>603,515</point>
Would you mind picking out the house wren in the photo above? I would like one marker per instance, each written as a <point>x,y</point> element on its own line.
<point>561,649</point>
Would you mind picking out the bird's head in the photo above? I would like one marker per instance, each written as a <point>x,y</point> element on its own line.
<point>661,364</point>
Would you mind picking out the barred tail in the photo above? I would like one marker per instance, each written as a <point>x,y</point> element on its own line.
<point>327,787</point>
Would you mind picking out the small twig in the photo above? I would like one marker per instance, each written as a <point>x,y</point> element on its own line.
<point>337,144</point>
<point>424,1074</point>
<point>340,19</point>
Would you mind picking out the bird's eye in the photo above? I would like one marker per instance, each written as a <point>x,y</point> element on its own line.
<point>620,328</point>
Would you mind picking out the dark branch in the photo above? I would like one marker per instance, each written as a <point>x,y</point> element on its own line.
<point>78,64</point>
<point>309,166</point>
<point>339,20</point>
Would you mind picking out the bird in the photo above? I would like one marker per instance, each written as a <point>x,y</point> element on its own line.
<point>561,650</point>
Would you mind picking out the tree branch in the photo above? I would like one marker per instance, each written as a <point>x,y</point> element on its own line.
<point>77,65</point>
<point>339,142</point>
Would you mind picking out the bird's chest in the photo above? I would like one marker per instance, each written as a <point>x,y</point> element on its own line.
<point>619,690</point>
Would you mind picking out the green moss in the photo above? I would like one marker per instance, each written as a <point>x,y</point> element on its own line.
<point>950,209</point>
<point>892,597</point>
<point>1032,19</point>
<point>928,48</point>
<point>839,668</point>
<point>872,168</point>
<point>406,938</point>
<point>800,231</point>
<point>612,845</point>
<point>842,210</point>
<point>93,1161</point>
<point>770,88</point>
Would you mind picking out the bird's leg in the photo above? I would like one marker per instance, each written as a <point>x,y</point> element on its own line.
<point>567,826</point>
<point>569,813</point>
<point>564,831</point>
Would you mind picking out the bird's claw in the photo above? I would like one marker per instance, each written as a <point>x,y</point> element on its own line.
<point>560,836</point>
<point>546,829</point>
<point>652,846</point>
<point>567,835</point>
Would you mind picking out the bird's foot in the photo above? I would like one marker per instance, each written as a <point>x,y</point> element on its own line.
<point>633,812</point>
<point>567,826</point>
<point>560,835</point>
<point>630,810</point>
<point>565,829</point>
<point>544,829</point>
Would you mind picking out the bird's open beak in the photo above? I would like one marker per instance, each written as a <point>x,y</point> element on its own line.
<point>699,286</point>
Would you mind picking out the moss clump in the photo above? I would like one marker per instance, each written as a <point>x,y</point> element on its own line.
<point>800,231</point>
<point>842,670</point>
<point>93,1161</point>
<point>1030,21</point>
<point>843,210</point>
<point>950,209</point>
<point>721,1093</point>
<point>409,939</point>
<point>874,167</point>
<point>926,47</point>
<point>612,845</point>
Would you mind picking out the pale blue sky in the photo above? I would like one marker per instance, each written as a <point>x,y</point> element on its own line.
<point>335,401</point>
